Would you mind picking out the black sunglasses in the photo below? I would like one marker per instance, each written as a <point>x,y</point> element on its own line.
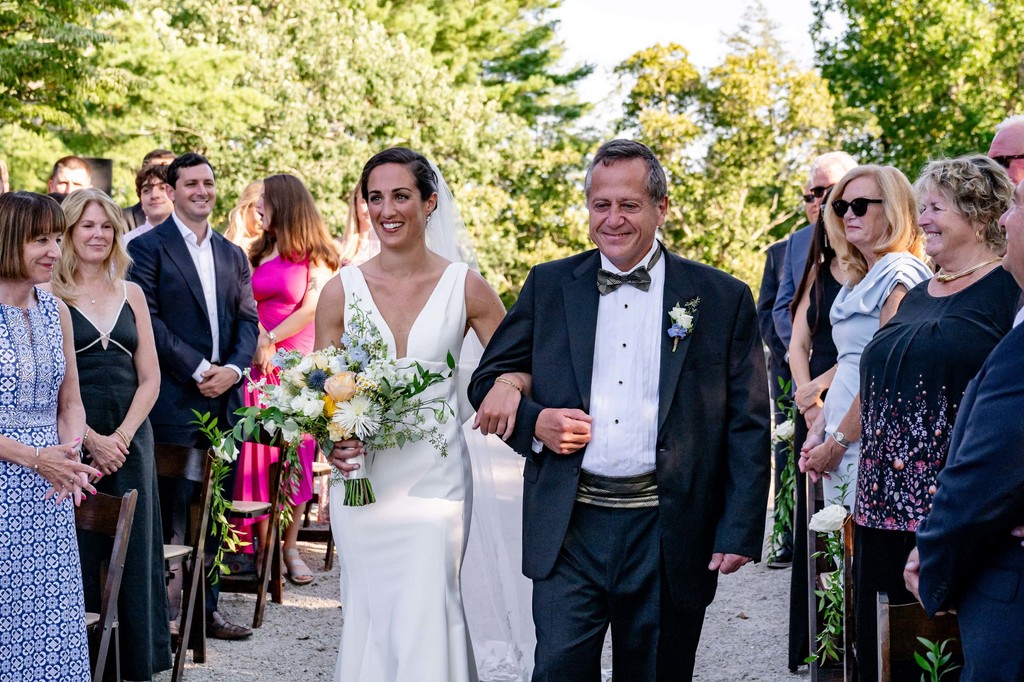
<point>816,193</point>
<point>859,206</point>
<point>1005,161</point>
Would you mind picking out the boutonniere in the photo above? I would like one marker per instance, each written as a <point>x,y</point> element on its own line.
<point>682,320</point>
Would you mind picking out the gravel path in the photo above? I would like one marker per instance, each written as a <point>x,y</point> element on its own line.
<point>744,635</point>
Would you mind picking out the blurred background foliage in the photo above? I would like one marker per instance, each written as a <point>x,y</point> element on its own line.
<point>315,87</point>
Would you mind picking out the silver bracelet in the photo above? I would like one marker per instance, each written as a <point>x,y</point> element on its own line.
<point>36,467</point>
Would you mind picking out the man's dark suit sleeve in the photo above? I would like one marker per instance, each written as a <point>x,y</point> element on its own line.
<point>175,355</point>
<point>511,350</point>
<point>980,495</point>
<point>246,331</point>
<point>740,529</point>
<point>784,296</point>
<point>770,281</point>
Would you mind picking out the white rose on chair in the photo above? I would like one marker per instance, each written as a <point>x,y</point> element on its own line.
<point>829,519</point>
<point>784,432</point>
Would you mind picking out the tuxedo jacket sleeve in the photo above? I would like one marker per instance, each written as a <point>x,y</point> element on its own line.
<point>965,540</point>
<point>511,350</point>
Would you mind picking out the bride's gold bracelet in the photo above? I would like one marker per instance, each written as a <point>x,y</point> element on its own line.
<point>503,380</point>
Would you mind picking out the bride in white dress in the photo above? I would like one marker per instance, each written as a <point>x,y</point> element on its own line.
<point>401,557</point>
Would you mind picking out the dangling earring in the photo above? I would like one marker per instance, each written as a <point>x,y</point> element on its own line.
<point>429,216</point>
<point>979,236</point>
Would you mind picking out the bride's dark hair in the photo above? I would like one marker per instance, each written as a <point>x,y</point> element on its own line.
<point>426,180</point>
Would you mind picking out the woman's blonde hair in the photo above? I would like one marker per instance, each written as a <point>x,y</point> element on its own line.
<point>901,234</point>
<point>979,189</point>
<point>117,261</point>
<point>240,218</point>
<point>355,228</point>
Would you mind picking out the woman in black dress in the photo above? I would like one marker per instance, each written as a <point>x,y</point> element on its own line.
<point>916,368</point>
<point>120,379</point>
<point>812,361</point>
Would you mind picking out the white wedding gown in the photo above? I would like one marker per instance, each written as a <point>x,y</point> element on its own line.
<point>401,557</point>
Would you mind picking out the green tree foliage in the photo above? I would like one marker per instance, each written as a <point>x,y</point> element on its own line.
<point>46,76</point>
<point>314,88</point>
<point>736,142</point>
<point>508,45</point>
<point>921,79</point>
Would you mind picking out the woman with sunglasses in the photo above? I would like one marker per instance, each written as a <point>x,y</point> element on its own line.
<point>871,222</point>
<point>915,370</point>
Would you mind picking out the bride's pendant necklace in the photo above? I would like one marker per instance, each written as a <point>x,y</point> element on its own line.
<point>943,277</point>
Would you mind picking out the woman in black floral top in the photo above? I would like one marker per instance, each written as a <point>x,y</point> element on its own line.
<point>916,368</point>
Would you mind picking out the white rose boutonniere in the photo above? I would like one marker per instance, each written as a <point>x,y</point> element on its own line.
<point>682,321</point>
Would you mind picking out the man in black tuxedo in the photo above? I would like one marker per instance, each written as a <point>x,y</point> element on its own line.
<point>967,557</point>
<point>646,454</point>
<point>200,297</point>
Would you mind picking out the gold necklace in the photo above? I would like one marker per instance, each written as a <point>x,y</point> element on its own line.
<point>942,277</point>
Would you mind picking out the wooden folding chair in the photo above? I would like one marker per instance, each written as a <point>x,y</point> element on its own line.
<point>182,463</point>
<point>268,576</point>
<point>899,626</point>
<point>110,516</point>
<point>307,534</point>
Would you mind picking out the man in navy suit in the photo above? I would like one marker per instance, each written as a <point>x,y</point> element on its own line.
<point>200,297</point>
<point>646,469</point>
<point>826,170</point>
<point>967,558</point>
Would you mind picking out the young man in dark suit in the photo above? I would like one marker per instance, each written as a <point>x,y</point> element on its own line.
<point>646,453</point>
<point>204,321</point>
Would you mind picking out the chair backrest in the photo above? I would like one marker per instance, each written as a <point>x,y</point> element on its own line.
<point>113,517</point>
<point>185,463</point>
<point>900,625</point>
<point>181,462</point>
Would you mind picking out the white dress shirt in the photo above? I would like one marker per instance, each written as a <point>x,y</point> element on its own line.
<point>626,372</point>
<point>1019,318</point>
<point>202,257</point>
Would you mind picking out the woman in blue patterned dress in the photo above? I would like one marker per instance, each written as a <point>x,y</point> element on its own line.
<point>42,616</point>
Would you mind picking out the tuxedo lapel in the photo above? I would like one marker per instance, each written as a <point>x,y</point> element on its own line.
<point>679,288</point>
<point>580,299</point>
<point>176,249</point>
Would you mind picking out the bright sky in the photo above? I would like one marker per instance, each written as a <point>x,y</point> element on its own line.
<point>606,32</point>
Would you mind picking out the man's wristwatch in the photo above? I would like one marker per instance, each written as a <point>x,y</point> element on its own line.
<point>840,438</point>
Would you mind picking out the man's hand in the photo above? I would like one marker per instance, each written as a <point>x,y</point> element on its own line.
<point>727,563</point>
<point>216,381</point>
<point>912,573</point>
<point>563,430</point>
<point>343,451</point>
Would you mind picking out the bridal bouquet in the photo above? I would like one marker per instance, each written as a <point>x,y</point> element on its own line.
<point>355,391</point>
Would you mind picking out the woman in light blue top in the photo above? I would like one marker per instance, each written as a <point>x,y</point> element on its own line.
<point>875,210</point>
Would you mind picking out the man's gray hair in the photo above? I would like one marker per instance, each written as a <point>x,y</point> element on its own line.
<point>841,161</point>
<point>620,150</point>
<point>1010,122</point>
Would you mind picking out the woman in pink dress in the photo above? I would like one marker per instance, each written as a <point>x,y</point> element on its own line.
<point>292,260</point>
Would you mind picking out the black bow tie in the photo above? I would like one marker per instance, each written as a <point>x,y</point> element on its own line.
<point>640,278</point>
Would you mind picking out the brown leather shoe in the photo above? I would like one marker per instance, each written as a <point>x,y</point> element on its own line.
<point>218,628</point>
